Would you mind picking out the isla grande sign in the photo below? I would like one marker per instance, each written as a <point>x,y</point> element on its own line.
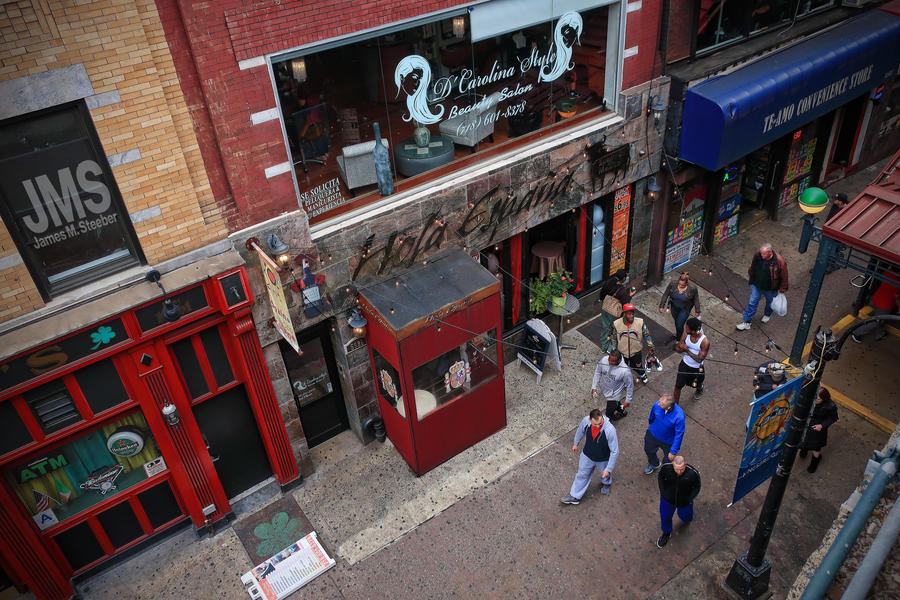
<point>485,215</point>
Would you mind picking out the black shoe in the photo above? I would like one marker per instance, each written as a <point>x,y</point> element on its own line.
<point>619,414</point>
<point>699,392</point>
<point>813,464</point>
<point>803,452</point>
<point>663,539</point>
<point>855,339</point>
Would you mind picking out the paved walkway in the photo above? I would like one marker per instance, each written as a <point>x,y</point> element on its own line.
<point>488,523</point>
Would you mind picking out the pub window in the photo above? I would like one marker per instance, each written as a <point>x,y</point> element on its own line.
<point>62,482</point>
<point>440,91</point>
<point>60,202</point>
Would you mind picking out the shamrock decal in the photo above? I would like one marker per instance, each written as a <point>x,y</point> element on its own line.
<point>103,335</point>
<point>277,535</point>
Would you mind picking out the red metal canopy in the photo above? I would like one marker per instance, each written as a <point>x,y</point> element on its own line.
<point>871,221</point>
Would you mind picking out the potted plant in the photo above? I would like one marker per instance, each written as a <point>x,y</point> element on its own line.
<point>553,289</point>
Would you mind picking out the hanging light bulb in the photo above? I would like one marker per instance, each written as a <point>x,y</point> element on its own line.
<point>735,349</point>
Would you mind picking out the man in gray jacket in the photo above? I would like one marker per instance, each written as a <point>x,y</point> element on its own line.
<point>601,450</point>
<point>613,379</point>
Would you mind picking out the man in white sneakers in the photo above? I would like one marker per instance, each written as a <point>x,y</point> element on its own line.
<point>601,450</point>
<point>768,277</point>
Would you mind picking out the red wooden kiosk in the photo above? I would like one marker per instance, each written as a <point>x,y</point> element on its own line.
<point>436,358</point>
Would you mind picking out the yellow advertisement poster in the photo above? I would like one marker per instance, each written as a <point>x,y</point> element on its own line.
<point>276,298</point>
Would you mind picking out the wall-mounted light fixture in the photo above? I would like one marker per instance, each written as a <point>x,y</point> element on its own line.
<point>656,108</point>
<point>459,26</point>
<point>358,323</point>
<point>170,414</point>
<point>298,69</point>
<point>278,249</point>
<point>171,311</point>
<point>653,189</point>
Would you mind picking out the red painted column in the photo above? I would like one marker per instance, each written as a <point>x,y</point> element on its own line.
<point>262,398</point>
<point>23,552</point>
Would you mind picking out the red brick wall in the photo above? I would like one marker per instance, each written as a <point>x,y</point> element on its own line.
<point>209,38</point>
<point>642,30</point>
<point>680,29</point>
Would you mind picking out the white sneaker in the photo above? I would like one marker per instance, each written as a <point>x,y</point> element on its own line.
<point>742,326</point>
<point>766,318</point>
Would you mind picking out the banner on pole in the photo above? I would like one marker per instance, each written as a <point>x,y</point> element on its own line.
<point>767,428</point>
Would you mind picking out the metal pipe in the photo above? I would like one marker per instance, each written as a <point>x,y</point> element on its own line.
<point>829,566</point>
<point>868,570</point>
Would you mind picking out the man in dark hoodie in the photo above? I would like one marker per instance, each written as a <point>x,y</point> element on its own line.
<point>679,484</point>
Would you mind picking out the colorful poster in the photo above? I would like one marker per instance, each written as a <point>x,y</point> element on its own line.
<point>766,431</point>
<point>726,229</point>
<point>619,245</point>
<point>272,280</point>
<point>289,570</point>
<point>678,254</point>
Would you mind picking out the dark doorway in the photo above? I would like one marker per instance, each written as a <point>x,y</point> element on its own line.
<point>316,387</point>
<point>845,142</point>
<point>233,441</point>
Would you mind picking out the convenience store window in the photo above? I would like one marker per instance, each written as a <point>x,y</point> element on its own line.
<point>440,91</point>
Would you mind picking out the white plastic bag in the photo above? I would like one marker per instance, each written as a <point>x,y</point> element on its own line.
<point>779,305</point>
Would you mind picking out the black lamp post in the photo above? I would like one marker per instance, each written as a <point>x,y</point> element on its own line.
<point>749,575</point>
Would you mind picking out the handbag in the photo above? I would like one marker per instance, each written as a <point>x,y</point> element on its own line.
<point>612,306</point>
<point>779,305</point>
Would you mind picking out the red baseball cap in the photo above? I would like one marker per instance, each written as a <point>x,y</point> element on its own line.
<point>627,307</point>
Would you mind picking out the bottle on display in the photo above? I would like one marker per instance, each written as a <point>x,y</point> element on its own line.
<point>382,164</point>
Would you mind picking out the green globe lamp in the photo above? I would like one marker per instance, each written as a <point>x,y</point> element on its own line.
<point>813,200</point>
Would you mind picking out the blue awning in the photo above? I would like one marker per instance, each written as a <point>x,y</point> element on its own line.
<point>731,115</point>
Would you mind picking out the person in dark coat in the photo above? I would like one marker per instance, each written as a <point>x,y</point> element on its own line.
<point>768,277</point>
<point>679,484</point>
<point>680,297</point>
<point>824,415</point>
<point>615,287</point>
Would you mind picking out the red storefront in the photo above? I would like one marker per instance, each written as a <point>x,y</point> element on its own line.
<point>436,355</point>
<point>123,429</point>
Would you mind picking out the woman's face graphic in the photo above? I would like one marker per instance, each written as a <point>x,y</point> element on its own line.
<point>411,81</point>
<point>569,35</point>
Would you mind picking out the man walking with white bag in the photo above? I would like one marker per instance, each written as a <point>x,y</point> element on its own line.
<point>768,276</point>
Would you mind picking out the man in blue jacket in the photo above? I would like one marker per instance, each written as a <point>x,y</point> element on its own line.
<point>665,432</point>
<point>601,450</point>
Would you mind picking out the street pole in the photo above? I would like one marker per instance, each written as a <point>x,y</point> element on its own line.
<point>750,573</point>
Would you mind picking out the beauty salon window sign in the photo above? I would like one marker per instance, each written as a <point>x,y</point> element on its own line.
<point>60,202</point>
<point>439,92</point>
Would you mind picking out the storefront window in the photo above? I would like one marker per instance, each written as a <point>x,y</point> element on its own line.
<point>722,21</point>
<point>388,382</point>
<point>455,373</point>
<point>65,481</point>
<point>60,202</point>
<point>438,92</point>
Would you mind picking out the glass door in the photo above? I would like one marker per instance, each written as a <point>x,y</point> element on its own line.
<point>316,387</point>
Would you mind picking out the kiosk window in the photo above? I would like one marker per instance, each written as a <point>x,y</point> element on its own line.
<point>455,372</point>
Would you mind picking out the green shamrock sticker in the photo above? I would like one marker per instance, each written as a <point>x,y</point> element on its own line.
<point>277,535</point>
<point>103,335</point>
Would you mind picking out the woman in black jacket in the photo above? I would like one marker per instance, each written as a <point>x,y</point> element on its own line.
<point>824,415</point>
<point>680,296</point>
<point>615,287</point>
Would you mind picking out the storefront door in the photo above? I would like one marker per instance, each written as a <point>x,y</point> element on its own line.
<point>316,387</point>
<point>221,410</point>
<point>233,441</point>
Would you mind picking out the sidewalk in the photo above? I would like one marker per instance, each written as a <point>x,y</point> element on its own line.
<point>489,523</point>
